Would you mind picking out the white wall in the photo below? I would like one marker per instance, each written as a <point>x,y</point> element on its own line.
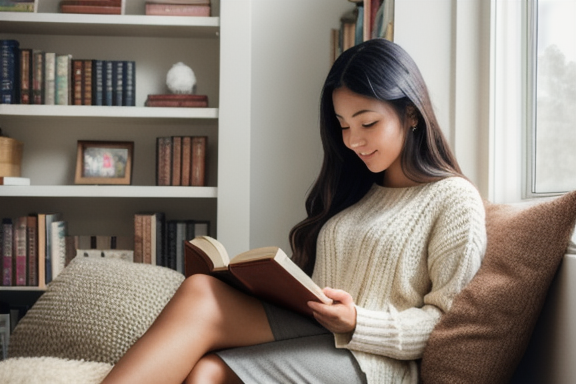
<point>449,39</point>
<point>450,42</point>
<point>290,60</point>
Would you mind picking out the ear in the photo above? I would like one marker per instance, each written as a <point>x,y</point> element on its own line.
<point>411,115</point>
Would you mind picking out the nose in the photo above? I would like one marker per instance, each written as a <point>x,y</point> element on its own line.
<point>355,138</point>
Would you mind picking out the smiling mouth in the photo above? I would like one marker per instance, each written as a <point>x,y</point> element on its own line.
<point>366,154</point>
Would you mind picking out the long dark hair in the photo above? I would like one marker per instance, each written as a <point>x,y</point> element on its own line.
<point>382,70</point>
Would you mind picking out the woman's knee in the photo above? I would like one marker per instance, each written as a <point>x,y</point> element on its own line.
<point>211,369</point>
<point>199,284</point>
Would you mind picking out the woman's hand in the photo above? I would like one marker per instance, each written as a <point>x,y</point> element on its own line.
<point>340,316</point>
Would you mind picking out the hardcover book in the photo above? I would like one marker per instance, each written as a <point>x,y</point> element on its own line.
<point>20,251</point>
<point>32,245</point>
<point>25,76</point>
<point>176,100</point>
<point>63,79</point>
<point>49,78</point>
<point>267,273</point>
<point>7,251</point>
<point>38,76</point>
<point>177,9</point>
<point>198,168</point>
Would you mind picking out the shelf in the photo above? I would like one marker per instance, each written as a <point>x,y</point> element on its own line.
<point>116,191</point>
<point>107,112</point>
<point>22,288</point>
<point>109,25</point>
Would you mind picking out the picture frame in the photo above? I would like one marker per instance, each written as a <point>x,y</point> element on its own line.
<point>104,162</point>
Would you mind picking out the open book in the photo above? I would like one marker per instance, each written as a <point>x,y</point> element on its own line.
<point>267,273</point>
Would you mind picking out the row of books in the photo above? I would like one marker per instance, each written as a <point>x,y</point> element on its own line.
<point>159,241</point>
<point>32,76</point>
<point>367,20</point>
<point>35,248</point>
<point>181,160</point>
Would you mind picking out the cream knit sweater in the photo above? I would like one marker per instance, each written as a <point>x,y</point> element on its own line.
<point>403,254</point>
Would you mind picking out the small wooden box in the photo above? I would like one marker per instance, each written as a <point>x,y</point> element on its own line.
<point>10,157</point>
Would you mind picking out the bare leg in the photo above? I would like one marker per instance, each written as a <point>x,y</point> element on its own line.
<point>211,369</point>
<point>204,315</point>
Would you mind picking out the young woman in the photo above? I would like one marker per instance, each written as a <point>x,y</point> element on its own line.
<point>394,231</point>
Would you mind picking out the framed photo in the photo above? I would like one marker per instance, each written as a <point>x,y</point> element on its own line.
<point>104,162</point>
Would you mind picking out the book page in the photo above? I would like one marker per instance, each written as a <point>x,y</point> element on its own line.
<point>213,249</point>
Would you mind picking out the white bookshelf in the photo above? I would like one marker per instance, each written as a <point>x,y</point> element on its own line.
<point>216,49</point>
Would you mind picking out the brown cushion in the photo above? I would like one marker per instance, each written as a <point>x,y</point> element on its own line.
<point>484,335</point>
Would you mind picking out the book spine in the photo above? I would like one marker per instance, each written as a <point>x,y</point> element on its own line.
<point>171,244</point>
<point>32,245</point>
<point>25,76</point>
<point>176,160</point>
<point>9,72</point>
<point>177,103</point>
<point>91,9</point>
<point>163,160</point>
<point>38,77</point>
<point>50,218</point>
<point>20,252</point>
<point>138,233</point>
<point>59,229</point>
<point>50,78</point>
<point>130,84</point>
<point>108,81</point>
<point>17,7</point>
<point>117,82</point>
<point>160,238</point>
<point>186,159</point>
<point>97,82</point>
<point>107,3</point>
<point>7,249</point>
<point>87,83</point>
<point>177,9</point>
<point>41,236</point>
<point>77,79</point>
<point>63,71</point>
<point>180,238</point>
<point>198,170</point>
<point>147,239</point>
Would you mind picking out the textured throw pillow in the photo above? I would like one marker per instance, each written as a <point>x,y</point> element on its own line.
<point>94,310</point>
<point>482,338</point>
<point>51,370</point>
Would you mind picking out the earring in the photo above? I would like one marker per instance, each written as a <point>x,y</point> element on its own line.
<point>414,128</point>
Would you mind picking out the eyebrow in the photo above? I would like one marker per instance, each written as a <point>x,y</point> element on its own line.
<point>357,113</point>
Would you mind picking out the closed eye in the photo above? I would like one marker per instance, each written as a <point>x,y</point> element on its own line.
<point>369,124</point>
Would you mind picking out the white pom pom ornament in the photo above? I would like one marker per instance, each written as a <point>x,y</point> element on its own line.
<point>181,79</point>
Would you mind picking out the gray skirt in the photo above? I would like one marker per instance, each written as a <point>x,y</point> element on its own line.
<point>303,352</point>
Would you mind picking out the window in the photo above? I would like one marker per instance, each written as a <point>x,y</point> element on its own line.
<point>550,97</point>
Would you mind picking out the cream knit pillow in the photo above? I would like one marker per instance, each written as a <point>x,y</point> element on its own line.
<point>94,310</point>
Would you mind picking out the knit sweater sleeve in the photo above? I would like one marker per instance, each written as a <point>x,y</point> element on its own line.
<point>456,245</point>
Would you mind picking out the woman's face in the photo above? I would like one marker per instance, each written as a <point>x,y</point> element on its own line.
<point>374,131</point>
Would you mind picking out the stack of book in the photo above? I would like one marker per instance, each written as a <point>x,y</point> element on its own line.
<point>41,77</point>
<point>181,160</point>
<point>17,5</point>
<point>107,7</point>
<point>178,7</point>
<point>177,100</point>
<point>159,241</point>
<point>35,248</point>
